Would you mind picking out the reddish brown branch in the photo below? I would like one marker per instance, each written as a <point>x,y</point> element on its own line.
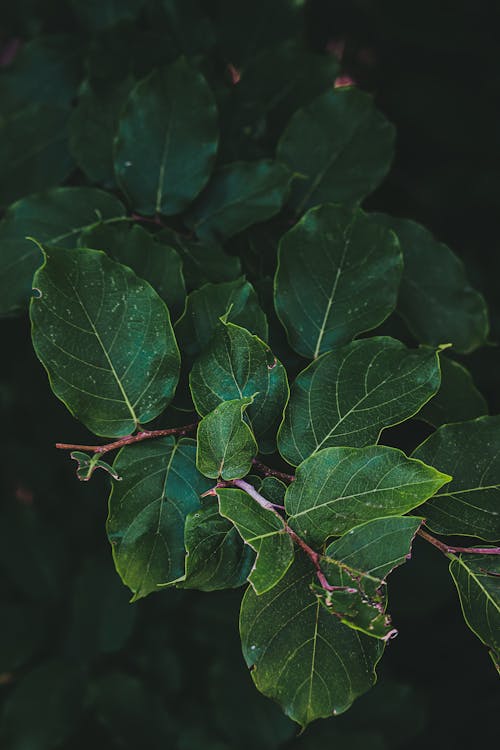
<point>148,219</point>
<point>128,440</point>
<point>451,550</point>
<point>268,472</point>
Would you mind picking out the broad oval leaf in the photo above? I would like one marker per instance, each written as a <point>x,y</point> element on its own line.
<point>348,396</point>
<point>301,655</point>
<point>321,297</point>
<point>470,503</point>
<point>226,445</point>
<point>457,400</point>
<point>341,144</point>
<point>164,172</point>
<point>147,511</point>
<point>105,338</point>
<point>237,364</point>
<point>339,488</point>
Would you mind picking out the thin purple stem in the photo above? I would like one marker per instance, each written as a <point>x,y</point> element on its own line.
<point>447,549</point>
<point>268,472</point>
<point>137,438</point>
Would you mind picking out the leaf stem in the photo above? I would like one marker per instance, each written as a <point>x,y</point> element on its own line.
<point>129,439</point>
<point>148,219</point>
<point>268,472</point>
<point>447,549</point>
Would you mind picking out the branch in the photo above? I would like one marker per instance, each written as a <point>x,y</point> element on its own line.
<point>450,550</point>
<point>137,438</point>
<point>268,472</point>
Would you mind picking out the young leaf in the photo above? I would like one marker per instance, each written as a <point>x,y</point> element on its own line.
<point>301,655</point>
<point>105,338</point>
<point>216,557</point>
<point>342,144</point>
<point>239,195</point>
<point>321,297</point>
<point>457,400</point>
<point>469,504</point>
<point>477,579</point>
<point>226,445</point>
<point>348,396</point>
<point>88,464</point>
<point>148,510</point>
<point>164,172</point>
<point>264,531</point>
<point>236,365</point>
<point>339,488</point>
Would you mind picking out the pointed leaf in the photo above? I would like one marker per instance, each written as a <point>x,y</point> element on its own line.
<point>348,396</point>
<point>320,296</point>
<point>339,488</point>
<point>164,172</point>
<point>264,531</point>
<point>470,503</point>
<point>226,445</point>
<point>457,400</point>
<point>88,464</point>
<point>105,338</point>
<point>148,510</point>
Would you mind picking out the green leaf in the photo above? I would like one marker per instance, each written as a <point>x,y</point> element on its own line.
<point>237,196</point>
<point>148,510</point>
<point>348,396</point>
<point>469,504</point>
<point>226,445</point>
<point>457,400</point>
<point>301,655</point>
<point>321,297</point>
<point>57,216</point>
<point>237,364</point>
<point>24,631</point>
<point>101,14</point>
<point>264,531</point>
<point>341,144</point>
<point>339,488</point>
<point>202,262</point>
<point>86,465</point>
<point>164,172</point>
<point>236,300</point>
<point>436,300</point>
<point>477,579</point>
<point>191,28</point>
<point>105,339</point>
<point>216,556</point>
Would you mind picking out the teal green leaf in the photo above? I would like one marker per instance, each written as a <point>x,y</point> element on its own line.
<point>321,297</point>
<point>202,262</point>
<point>341,144</point>
<point>436,300</point>
<point>105,338</point>
<point>457,400</point>
<point>148,510</point>
<point>262,529</point>
<point>348,396</point>
<point>301,655</point>
<point>101,14</point>
<point>57,217</point>
<point>273,490</point>
<point>339,488</point>
<point>235,365</point>
<point>164,172</point>
<point>237,196</point>
<point>86,465</point>
<point>470,503</point>
<point>216,558</point>
<point>236,300</point>
<point>226,445</point>
<point>477,578</point>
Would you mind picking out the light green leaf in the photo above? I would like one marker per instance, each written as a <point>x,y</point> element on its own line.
<point>226,445</point>
<point>470,503</point>
<point>339,488</point>
<point>343,146</point>
<point>86,465</point>
<point>436,300</point>
<point>57,217</point>
<point>239,195</point>
<point>216,556</point>
<point>457,400</point>
<point>148,510</point>
<point>105,338</point>
<point>321,297</point>
<point>235,365</point>
<point>348,396</point>
<point>477,579</point>
<point>301,655</point>
<point>164,172</point>
<point>264,531</point>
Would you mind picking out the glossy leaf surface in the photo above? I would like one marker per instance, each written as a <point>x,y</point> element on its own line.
<point>226,445</point>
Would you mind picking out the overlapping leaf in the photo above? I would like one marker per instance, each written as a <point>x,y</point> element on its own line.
<point>457,400</point>
<point>202,262</point>
<point>226,445</point>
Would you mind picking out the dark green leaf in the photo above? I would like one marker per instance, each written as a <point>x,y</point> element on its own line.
<point>226,445</point>
<point>321,297</point>
<point>457,400</point>
<point>105,339</point>
<point>469,504</point>
<point>148,509</point>
<point>264,531</point>
<point>23,632</point>
<point>339,488</point>
<point>341,144</point>
<point>164,172</point>
<point>348,396</point>
<point>101,14</point>
<point>190,27</point>
<point>202,262</point>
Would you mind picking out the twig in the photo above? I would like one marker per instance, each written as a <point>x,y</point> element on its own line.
<point>148,219</point>
<point>451,550</point>
<point>268,472</point>
<point>137,438</point>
